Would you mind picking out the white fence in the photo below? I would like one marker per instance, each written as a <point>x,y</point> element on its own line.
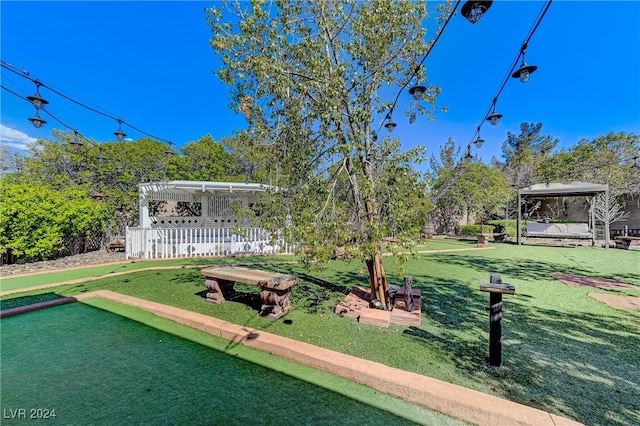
<point>145,243</point>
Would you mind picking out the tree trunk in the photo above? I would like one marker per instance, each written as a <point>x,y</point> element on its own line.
<point>378,281</point>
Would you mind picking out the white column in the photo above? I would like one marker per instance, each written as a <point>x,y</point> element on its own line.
<point>606,218</point>
<point>144,219</point>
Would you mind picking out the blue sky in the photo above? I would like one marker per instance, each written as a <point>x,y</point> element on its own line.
<point>151,64</point>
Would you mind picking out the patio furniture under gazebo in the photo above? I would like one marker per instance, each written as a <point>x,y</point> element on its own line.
<point>572,189</point>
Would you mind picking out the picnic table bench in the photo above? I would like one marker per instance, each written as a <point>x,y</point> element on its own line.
<point>623,242</point>
<point>275,289</point>
<point>483,239</point>
<point>117,244</point>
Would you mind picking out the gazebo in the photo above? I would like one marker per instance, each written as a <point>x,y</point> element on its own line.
<point>195,204</point>
<point>194,218</point>
<point>572,189</point>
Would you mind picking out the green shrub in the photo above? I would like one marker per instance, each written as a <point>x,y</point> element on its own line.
<point>34,219</point>
<point>511,226</point>
<point>475,229</point>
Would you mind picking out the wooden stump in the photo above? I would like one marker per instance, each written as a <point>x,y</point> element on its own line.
<point>408,293</point>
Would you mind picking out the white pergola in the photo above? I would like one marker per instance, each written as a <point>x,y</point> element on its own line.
<point>215,198</point>
<point>194,218</point>
<point>572,189</point>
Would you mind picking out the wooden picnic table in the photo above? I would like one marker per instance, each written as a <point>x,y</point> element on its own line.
<point>623,242</point>
<point>119,243</point>
<point>275,289</point>
<point>483,239</point>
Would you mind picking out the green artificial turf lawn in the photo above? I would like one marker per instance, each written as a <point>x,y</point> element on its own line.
<point>90,366</point>
<point>8,283</point>
<point>563,351</point>
<point>12,283</point>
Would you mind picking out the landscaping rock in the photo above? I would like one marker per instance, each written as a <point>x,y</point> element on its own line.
<point>91,258</point>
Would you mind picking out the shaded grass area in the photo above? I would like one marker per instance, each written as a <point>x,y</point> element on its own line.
<point>42,278</point>
<point>563,351</point>
<point>436,244</point>
<point>93,366</point>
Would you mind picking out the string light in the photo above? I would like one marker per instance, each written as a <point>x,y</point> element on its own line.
<point>473,10</point>
<point>494,118</point>
<point>75,142</point>
<point>390,125</point>
<point>417,92</point>
<point>416,70</point>
<point>39,103</point>
<point>76,133</point>
<point>479,141</point>
<point>36,99</point>
<point>119,133</point>
<point>467,156</point>
<point>37,121</point>
<point>525,71</point>
<point>476,139</point>
<point>491,115</point>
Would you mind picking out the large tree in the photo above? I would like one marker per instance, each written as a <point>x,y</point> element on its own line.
<point>114,169</point>
<point>208,160</point>
<point>311,77</point>
<point>464,187</point>
<point>111,170</point>
<point>608,159</point>
<point>605,159</point>
<point>443,173</point>
<point>524,153</point>
<point>482,190</point>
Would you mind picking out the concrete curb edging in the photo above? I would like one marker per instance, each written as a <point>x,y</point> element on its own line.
<point>453,400</point>
<point>35,306</point>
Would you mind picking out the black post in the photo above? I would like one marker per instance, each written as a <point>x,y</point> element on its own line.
<point>495,323</point>
<point>408,293</point>
<point>495,329</point>
<point>496,289</point>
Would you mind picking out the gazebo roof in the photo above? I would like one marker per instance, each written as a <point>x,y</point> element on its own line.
<point>563,189</point>
<point>202,186</point>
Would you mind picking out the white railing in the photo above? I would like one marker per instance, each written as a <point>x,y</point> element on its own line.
<point>145,243</point>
